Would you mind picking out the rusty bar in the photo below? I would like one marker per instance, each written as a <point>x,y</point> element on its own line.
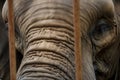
<point>77,35</point>
<point>11,33</point>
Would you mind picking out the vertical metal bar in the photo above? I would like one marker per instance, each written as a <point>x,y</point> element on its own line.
<point>77,35</point>
<point>12,54</point>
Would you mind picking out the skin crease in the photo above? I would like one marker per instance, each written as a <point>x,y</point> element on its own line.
<point>45,38</point>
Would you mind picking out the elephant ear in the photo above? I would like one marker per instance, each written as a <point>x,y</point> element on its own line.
<point>117,12</point>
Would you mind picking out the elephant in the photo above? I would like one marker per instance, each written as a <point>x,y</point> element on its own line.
<point>45,38</point>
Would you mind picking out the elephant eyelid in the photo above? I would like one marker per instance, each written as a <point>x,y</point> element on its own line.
<point>102,27</point>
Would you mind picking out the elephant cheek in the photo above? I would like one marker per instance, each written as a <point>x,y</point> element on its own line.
<point>48,55</point>
<point>87,62</point>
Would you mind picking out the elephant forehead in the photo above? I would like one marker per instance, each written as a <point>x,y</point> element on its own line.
<point>37,10</point>
<point>22,6</point>
<point>67,2</point>
<point>107,7</point>
<point>40,3</point>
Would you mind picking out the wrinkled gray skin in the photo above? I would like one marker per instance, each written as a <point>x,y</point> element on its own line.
<point>45,38</point>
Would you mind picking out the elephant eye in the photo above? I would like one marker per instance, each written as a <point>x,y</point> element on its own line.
<point>102,29</point>
<point>103,33</point>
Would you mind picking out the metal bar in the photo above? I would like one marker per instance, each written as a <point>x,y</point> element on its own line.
<point>77,35</point>
<point>12,54</point>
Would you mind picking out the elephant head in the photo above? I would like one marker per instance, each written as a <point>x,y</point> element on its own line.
<point>45,37</point>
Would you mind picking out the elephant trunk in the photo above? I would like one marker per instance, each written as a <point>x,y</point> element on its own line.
<point>49,42</point>
<point>48,54</point>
